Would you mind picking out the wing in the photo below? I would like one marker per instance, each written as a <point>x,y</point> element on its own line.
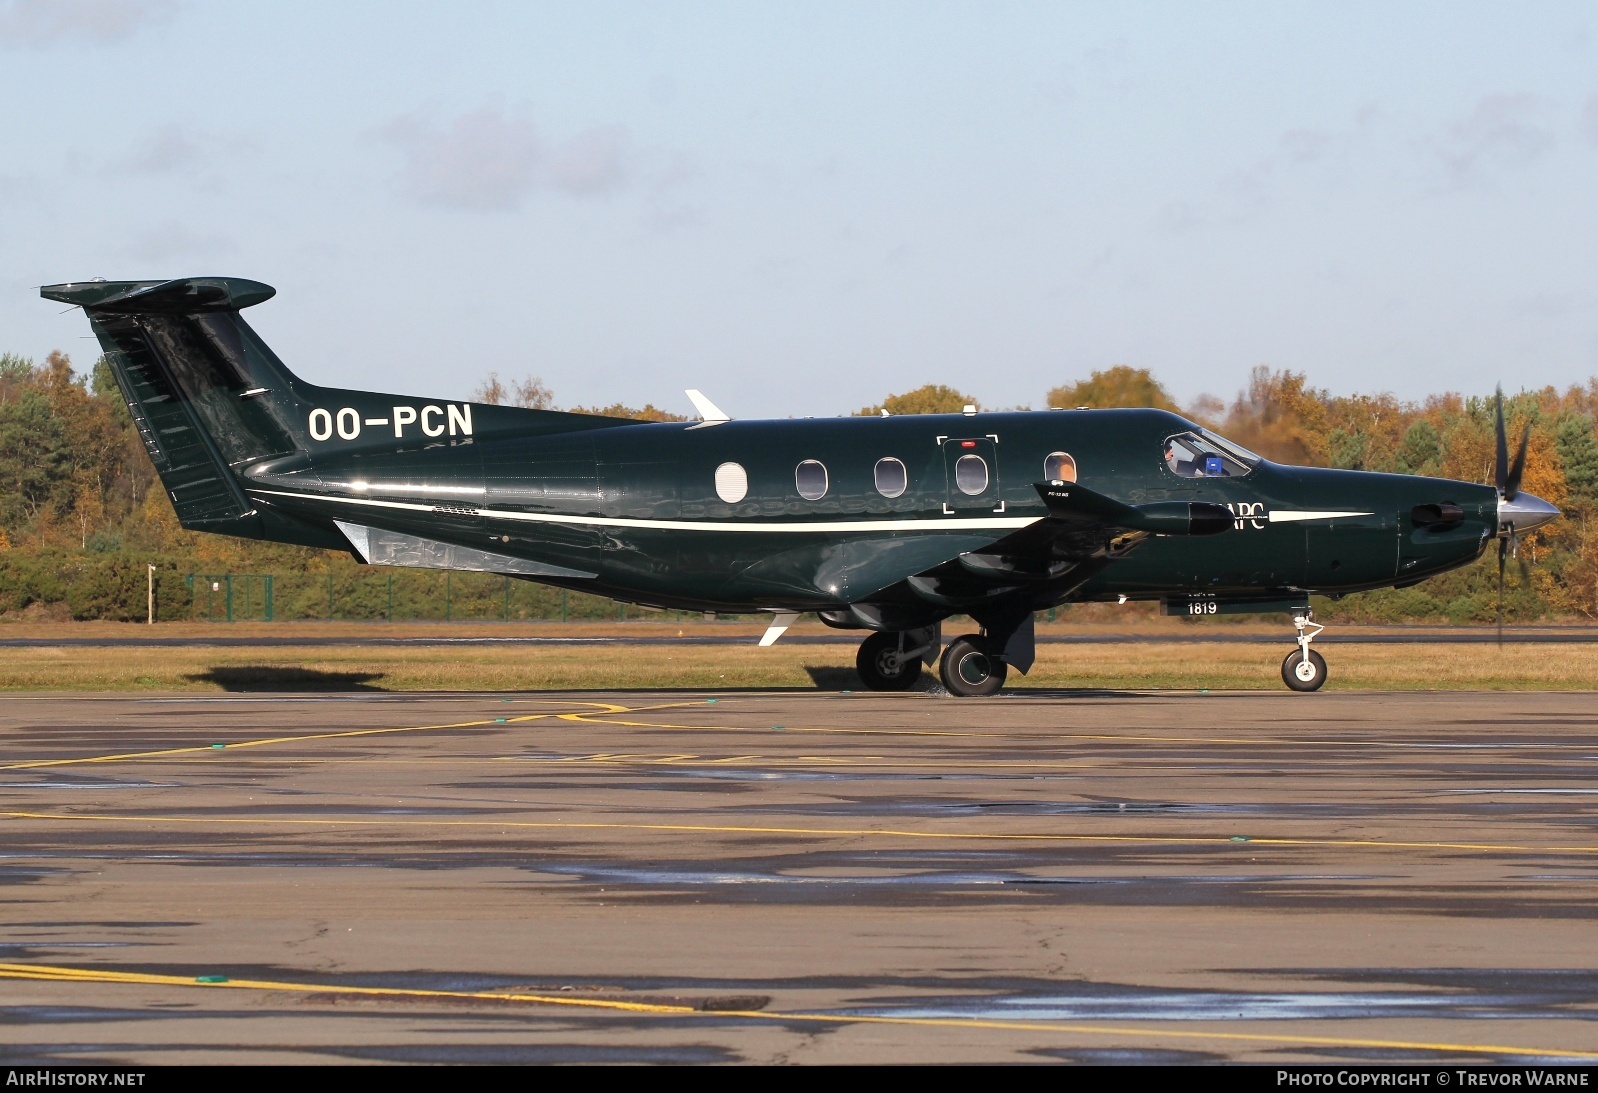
<point>1042,563</point>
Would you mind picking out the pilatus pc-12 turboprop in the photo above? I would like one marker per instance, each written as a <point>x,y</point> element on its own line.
<point>887,525</point>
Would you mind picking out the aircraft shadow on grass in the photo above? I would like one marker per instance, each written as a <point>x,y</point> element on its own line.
<point>270,677</point>
<point>833,679</point>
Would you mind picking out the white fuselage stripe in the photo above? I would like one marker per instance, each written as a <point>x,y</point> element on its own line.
<point>982,523</point>
<point>1291,516</point>
<point>1003,523</point>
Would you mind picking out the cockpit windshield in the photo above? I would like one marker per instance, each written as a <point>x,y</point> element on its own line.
<point>1201,454</point>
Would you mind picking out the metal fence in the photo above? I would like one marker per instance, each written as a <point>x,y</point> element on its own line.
<point>217,590</point>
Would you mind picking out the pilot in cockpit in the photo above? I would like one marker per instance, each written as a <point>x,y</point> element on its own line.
<point>1188,463</point>
<point>1179,459</point>
<point>1200,455</point>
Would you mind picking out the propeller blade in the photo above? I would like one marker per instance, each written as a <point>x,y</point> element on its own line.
<point>1506,476</point>
<point>1512,486</point>
<point>1503,551</point>
<point>1501,464</point>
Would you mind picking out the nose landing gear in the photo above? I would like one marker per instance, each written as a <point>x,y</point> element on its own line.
<point>1305,669</point>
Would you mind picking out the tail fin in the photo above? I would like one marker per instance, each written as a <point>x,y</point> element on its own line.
<point>212,402</point>
<point>193,375</point>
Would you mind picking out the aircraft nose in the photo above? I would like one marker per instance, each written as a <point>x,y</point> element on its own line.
<point>1524,513</point>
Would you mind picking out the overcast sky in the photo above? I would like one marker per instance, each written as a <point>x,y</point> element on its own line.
<point>801,208</point>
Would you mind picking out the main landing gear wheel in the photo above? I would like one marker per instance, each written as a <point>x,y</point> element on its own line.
<point>1301,674</point>
<point>883,665</point>
<point>968,669</point>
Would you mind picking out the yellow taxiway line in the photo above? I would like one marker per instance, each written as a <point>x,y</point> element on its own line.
<point>815,832</point>
<point>271,740</point>
<point>61,974</point>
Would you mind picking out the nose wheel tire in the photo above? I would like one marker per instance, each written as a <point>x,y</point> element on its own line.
<point>1302,675</point>
<point>881,667</point>
<point>969,670</point>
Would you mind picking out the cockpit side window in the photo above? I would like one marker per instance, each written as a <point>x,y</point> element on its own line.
<point>1203,455</point>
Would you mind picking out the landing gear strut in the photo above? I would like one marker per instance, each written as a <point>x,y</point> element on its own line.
<point>1305,669</point>
<point>891,660</point>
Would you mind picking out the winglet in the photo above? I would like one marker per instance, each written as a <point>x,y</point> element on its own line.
<point>709,411</point>
<point>780,621</point>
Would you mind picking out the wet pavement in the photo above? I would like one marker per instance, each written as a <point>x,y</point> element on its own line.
<point>799,877</point>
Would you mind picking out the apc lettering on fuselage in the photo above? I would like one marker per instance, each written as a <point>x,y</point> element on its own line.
<point>429,420</point>
<point>1248,513</point>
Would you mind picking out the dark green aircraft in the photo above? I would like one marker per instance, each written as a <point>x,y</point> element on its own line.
<point>888,525</point>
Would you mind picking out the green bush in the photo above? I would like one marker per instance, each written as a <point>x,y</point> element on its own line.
<point>92,585</point>
<point>109,585</point>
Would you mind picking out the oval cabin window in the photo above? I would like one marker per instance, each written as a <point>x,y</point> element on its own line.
<point>811,479</point>
<point>971,474</point>
<point>892,479</point>
<point>732,484</point>
<point>1059,467</point>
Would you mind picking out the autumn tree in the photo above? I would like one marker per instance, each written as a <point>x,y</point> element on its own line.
<point>1121,385</point>
<point>1207,410</point>
<point>931,398</point>
<point>533,394</point>
<point>1363,432</point>
<point>490,392</point>
<point>63,450</point>
<point>529,393</point>
<point>647,412</point>
<point>1281,417</point>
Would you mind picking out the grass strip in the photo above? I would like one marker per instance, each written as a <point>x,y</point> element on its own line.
<point>827,667</point>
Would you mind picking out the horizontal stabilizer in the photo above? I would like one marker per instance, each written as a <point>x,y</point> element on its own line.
<point>379,547</point>
<point>185,296</point>
<point>1071,501</point>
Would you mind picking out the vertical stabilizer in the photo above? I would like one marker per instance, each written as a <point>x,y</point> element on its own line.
<point>205,392</point>
<point>218,411</point>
